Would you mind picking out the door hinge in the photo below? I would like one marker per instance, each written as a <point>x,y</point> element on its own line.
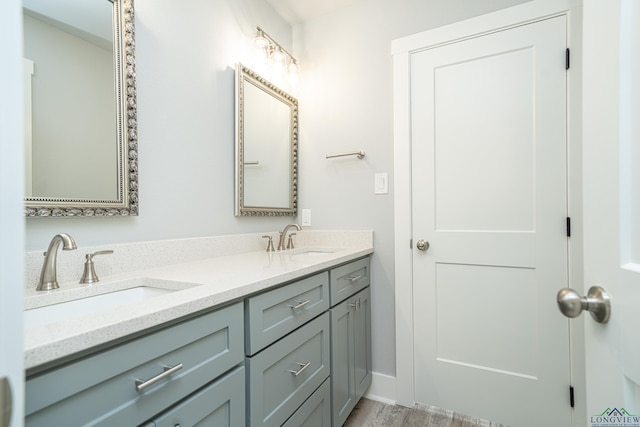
<point>571,397</point>
<point>567,60</point>
<point>568,227</point>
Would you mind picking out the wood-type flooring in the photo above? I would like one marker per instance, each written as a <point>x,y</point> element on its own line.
<point>369,413</point>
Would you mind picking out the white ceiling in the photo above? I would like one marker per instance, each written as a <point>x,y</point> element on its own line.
<point>295,11</point>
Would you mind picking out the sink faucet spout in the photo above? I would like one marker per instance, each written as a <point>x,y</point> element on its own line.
<point>283,235</point>
<point>48,276</point>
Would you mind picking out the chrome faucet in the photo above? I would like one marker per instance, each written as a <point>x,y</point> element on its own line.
<point>48,280</point>
<point>283,235</point>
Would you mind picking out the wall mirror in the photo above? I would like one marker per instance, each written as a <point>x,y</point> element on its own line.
<point>81,148</point>
<point>266,147</point>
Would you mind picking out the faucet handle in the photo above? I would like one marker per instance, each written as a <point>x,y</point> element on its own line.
<point>89,275</point>
<point>89,257</point>
<point>269,243</point>
<point>290,241</point>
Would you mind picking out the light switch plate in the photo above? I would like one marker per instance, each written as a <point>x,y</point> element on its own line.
<point>306,217</point>
<point>381,183</point>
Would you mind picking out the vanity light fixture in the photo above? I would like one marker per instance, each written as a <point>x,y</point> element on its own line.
<point>275,61</point>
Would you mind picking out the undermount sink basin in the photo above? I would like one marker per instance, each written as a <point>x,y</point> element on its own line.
<point>69,309</point>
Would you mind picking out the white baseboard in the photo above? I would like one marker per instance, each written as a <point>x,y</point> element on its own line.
<point>382,389</point>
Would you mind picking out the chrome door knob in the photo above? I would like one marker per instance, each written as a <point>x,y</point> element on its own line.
<point>422,245</point>
<point>596,302</point>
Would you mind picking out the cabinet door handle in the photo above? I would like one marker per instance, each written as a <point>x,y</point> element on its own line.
<point>303,366</point>
<point>354,278</point>
<point>168,371</point>
<point>355,304</point>
<point>300,304</point>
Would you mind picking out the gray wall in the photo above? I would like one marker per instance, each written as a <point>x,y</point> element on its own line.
<point>186,52</point>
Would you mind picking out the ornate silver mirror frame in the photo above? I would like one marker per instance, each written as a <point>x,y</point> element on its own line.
<point>266,147</point>
<point>126,201</point>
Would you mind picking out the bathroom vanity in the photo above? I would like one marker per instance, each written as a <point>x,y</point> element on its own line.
<point>285,341</point>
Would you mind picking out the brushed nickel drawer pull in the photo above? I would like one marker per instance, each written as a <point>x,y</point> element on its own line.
<point>300,304</point>
<point>168,371</point>
<point>303,366</point>
<point>354,278</point>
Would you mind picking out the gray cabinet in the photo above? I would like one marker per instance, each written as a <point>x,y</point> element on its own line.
<point>316,411</point>
<point>220,404</point>
<point>287,347</point>
<point>285,374</point>
<point>130,383</point>
<point>350,348</point>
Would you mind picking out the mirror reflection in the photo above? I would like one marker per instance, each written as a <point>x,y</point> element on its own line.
<point>266,147</point>
<point>78,57</point>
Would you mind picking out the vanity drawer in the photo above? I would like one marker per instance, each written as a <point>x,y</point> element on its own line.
<point>274,314</point>
<point>220,404</point>
<point>316,411</point>
<point>101,389</point>
<point>284,375</point>
<point>348,279</point>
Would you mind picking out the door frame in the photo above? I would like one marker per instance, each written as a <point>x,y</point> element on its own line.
<point>12,207</point>
<point>401,50</point>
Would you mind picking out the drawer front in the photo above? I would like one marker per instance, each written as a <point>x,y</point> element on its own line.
<point>348,279</point>
<point>284,375</point>
<point>221,404</point>
<point>274,314</point>
<point>316,411</point>
<point>101,389</point>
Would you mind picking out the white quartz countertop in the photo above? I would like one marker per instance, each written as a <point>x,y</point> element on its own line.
<point>200,285</point>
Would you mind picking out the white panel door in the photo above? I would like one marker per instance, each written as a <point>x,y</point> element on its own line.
<point>612,208</point>
<point>489,193</point>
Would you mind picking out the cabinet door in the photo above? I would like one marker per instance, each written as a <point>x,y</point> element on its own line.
<point>342,357</point>
<point>362,343</point>
<point>350,354</point>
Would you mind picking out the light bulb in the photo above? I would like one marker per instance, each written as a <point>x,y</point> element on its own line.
<point>277,56</point>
